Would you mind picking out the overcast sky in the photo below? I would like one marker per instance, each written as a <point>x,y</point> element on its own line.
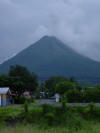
<point>76,22</point>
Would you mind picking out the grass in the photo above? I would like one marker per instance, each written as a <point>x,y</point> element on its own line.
<point>8,111</point>
<point>91,128</point>
<point>50,119</point>
<point>35,103</point>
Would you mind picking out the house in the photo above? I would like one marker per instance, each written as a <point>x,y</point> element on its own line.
<point>26,94</point>
<point>4,96</point>
<point>42,94</point>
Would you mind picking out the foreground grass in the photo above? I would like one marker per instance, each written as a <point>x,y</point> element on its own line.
<point>50,119</point>
<point>93,128</point>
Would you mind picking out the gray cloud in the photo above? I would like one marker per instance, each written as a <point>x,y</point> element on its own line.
<point>76,22</point>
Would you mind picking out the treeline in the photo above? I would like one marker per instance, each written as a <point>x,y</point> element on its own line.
<point>19,79</point>
<point>73,92</point>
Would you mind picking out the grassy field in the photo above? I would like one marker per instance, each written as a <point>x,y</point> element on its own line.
<point>91,128</point>
<point>50,119</point>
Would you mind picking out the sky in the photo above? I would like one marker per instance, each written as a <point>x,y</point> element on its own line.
<point>75,22</point>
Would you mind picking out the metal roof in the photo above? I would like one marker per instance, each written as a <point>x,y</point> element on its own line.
<point>4,90</point>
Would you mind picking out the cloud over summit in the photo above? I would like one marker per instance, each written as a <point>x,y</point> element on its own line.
<point>76,22</point>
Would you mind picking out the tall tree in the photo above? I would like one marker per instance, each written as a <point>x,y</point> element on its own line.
<point>4,80</point>
<point>53,81</point>
<point>64,87</point>
<point>22,80</point>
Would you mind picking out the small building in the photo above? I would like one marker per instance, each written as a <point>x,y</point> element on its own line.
<point>26,94</point>
<point>4,96</point>
<point>42,94</point>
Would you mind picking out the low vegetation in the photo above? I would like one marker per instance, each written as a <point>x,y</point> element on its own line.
<point>90,128</point>
<point>51,118</point>
<point>20,80</point>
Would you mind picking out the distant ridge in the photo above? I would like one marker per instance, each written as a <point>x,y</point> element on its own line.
<point>49,56</point>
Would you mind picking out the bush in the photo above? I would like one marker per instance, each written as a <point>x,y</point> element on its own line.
<point>50,118</point>
<point>75,121</point>
<point>26,110</point>
<point>19,100</point>
<point>22,99</point>
<point>2,124</point>
<point>91,107</point>
<point>63,101</point>
<point>92,112</point>
<point>29,100</point>
<point>47,108</point>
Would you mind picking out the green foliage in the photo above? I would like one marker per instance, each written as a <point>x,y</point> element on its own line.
<point>76,95</point>
<point>91,107</point>
<point>47,108</point>
<point>76,122</point>
<point>64,87</point>
<point>50,118</point>
<point>92,94</point>
<point>64,102</point>
<point>26,108</point>
<point>19,71</point>
<point>19,100</point>
<point>71,79</point>
<point>52,82</point>
<point>2,125</point>
<point>22,100</point>
<point>62,116</point>
<point>90,128</point>
<point>9,116</point>
<point>19,80</point>
<point>4,80</point>
<point>22,80</point>
<point>48,115</point>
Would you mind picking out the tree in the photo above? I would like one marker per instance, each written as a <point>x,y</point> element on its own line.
<point>22,80</point>
<point>64,87</point>
<point>92,94</point>
<point>42,87</point>
<point>19,71</point>
<point>17,88</point>
<point>74,96</point>
<point>4,80</point>
<point>71,79</point>
<point>52,82</point>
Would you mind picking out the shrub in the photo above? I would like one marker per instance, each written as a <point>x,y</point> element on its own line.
<point>29,100</point>
<point>92,112</point>
<point>2,124</point>
<point>63,101</point>
<point>91,107</point>
<point>35,115</point>
<point>26,110</point>
<point>47,108</point>
<point>19,100</point>
<point>50,118</point>
<point>75,121</point>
